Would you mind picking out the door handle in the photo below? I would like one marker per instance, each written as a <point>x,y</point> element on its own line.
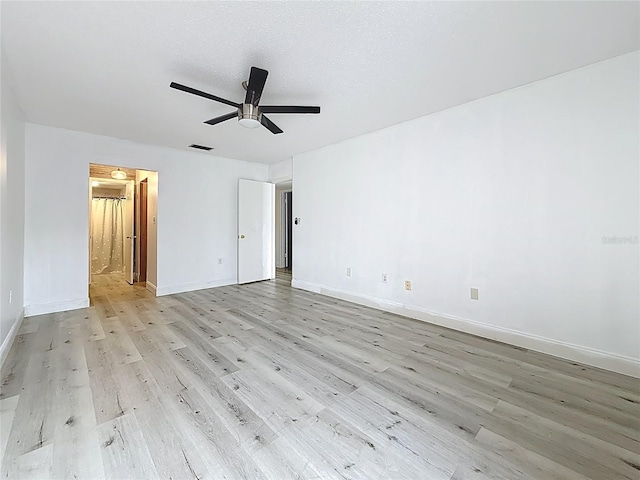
<point>241,236</point>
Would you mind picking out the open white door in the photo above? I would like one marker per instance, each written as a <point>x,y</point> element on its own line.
<point>129,238</point>
<point>256,231</point>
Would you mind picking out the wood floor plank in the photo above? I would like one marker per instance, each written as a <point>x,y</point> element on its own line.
<point>132,316</point>
<point>173,454</point>
<point>73,415</point>
<point>34,465</point>
<point>103,307</point>
<point>389,421</point>
<point>15,365</point>
<point>581,453</point>
<point>546,361</point>
<point>33,425</point>
<point>204,348</point>
<point>213,442</point>
<point>581,411</point>
<point>245,425</point>
<point>29,325</point>
<point>122,349</point>
<point>124,449</point>
<point>262,381</point>
<point>279,461</point>
<point>533,464</point>
<point>109,401</point>
<point>355,453</point>
<point>7,414</point>
<point>448,411</point>
<point>279,403</point>
<point>94,325</point>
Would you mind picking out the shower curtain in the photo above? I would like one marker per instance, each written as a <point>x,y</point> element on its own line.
<point>107,235</point>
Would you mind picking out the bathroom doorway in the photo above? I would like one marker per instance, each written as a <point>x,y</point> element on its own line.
<point>123,235</point>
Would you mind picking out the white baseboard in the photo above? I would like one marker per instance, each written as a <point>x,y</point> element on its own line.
<point>577,353</point>
<point>151,288</point>
<point>190,287</point>
<point>43,308</point>
<point>7,343</point>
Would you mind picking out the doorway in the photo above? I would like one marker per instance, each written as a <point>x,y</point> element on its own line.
<point>287,214</point>
<point>122,236</point>
<point>284,222</point>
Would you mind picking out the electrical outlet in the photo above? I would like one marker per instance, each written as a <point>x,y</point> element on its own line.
<point>474,294</point>
<point>407,285</point>
<point>348,271</point>
<point>220,261</point>
<point>10,296</point>
<point>384,278</point>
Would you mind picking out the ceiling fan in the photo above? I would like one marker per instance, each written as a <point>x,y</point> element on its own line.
<point>249,114</point>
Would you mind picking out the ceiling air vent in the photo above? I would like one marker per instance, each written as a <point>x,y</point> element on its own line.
<point>200,147</point>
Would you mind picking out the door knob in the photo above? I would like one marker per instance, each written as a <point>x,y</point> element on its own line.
<point>241,236</point>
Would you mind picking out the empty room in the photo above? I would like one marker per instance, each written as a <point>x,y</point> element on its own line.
<point>320,240</point>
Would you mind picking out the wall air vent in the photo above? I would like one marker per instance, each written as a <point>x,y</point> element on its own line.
<point>200,147</point>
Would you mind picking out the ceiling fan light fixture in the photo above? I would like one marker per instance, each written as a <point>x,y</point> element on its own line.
<point>249,113</point>
<point>249,122</point>
<point>249,116</point>
<point>118,174</point>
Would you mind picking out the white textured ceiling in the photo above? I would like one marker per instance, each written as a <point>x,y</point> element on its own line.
<point>105,67</point>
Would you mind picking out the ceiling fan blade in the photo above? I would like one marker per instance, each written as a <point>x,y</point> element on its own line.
<point>273,128</point>
<point>288,109</point>
<point>193,91</point>
<point>222,118</point>
<point>257,79</point>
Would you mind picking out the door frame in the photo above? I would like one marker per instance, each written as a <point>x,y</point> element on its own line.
<point>130,241</point>
<point>143,212</point>
<point>279,221</point>
<point>97,173</point>
<point>287,226</point>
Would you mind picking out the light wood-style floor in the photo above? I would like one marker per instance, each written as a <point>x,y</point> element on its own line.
<point>264,381</point>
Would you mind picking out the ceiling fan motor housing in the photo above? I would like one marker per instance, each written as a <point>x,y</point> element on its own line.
<point>249,115</point>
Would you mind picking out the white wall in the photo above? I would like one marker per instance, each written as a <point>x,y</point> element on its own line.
<point>11,214</point>
<point>281,171</point>
<point>196,214</point>
<point>511,194</point>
